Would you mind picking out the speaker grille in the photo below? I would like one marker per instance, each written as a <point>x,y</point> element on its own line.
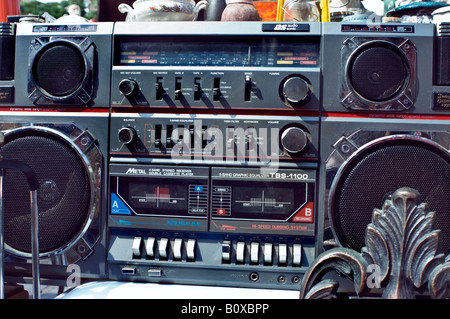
<point>59,70</point>
<point>374,174</point>
<point>63,195</point>
<point>378,72</point>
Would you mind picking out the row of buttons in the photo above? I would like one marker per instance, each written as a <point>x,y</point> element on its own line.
<point>265,250</point>
<point>149,247</point>
<point>163,248</point>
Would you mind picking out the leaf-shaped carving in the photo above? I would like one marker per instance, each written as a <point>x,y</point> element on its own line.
<point>403,231</point>
<point>401,241</point>
<point>439,283</point>
<point>423,257</point>
<point>343,260</point>
<point>377,249</point>
<point>326,289</point>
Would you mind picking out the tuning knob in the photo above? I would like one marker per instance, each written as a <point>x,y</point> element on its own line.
<point>295,90</point>
<point>294,140</point>
<point>127,135</point>
<point>127,87</point>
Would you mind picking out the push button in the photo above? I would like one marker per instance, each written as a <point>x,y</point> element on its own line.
<point>240,252</point>
<point>177,247</point>
<point>226,252</point>
<point>190,249</point>
<point>150,247</point>
<point>282,254</point>
<point>254,253</point>
<point>296,255</point>
<point>268,253</point>
<point>136,247</point>
<point>163,248</point>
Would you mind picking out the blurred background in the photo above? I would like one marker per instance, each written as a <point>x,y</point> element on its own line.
<point>57,8</point>
<point>269,10</point>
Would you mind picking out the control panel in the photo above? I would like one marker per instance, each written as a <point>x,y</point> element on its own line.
<point>216,71</point>
<point>206,89</point>
<point>216,138</point>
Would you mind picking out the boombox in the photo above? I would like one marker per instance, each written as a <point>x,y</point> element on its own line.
<point>226,154</point>
<point>384,124</point>
<point>55,117</point>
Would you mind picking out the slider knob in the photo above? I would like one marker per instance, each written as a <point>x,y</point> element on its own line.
<point>127,87</point>
<point>296,90</point>
<point>294,140</point>
<point>127,135</point>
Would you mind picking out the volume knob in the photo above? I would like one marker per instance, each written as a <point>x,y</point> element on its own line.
<point>127,135</point>
<point>127,87</point>
<point>295,90</point>
<point>294,140</point>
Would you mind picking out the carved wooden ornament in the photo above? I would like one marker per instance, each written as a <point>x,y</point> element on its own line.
<point>401,255</point>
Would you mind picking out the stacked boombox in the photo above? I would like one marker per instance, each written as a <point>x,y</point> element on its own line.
<point>216,153</point>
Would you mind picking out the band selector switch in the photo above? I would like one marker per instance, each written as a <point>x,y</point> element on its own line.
<point>247,88</point>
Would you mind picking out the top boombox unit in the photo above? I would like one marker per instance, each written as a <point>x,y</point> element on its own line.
<point>216,153</point>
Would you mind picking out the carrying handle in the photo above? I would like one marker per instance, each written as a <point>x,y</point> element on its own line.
<point>24,168</point>
<point>34,185</point>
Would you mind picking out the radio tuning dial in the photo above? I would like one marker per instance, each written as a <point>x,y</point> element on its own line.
<point>294,140</point>
<point>295,90</point>
<point>127,135</point>
<point>127,87</point>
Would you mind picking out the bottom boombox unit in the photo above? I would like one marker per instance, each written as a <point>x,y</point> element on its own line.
<point>235,223</point>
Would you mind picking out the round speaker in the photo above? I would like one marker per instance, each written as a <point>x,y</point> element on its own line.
<point>378,74</point>
<point>378,71</point>
<point>374,172</point>
<point>65,194</point>
<point>59,70</point>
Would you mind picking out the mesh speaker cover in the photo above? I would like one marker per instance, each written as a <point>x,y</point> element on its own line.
<point>378,72</point>
<point>59,70</point>
<point>374,174</point>
<point>63,195</point>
